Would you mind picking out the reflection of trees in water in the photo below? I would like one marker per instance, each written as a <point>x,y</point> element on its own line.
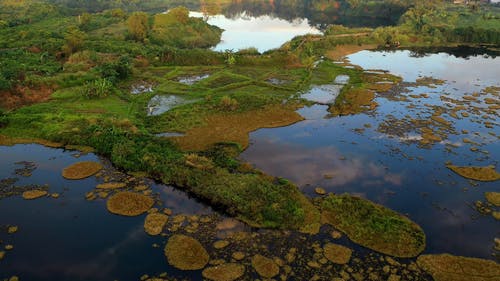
<point>464,52</point>
<point>320,13</point>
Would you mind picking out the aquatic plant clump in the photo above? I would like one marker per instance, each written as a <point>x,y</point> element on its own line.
<point>154,223</point>
<point>224,272</point>
<point>81,170</point>
<point>337,253</point>
<point>129,204</point>
<point>186,253</point>
<point>446,267</point>
<point>111,185</point>
<point>493,198</point>
<point>373,226</point>
<point>487,173</point>
<point>34,194</point>
<point>265,267</point>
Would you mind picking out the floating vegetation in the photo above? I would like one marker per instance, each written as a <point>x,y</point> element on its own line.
<point>234,127</point>
<point>111,185</point>
<point>12,229</point>
<point>224,272</point>
<point>154,223</point>
<point>446,267</point>
<point>129,203</point>
<point>34,194</point>
<point>81,170</point>
<point>373,226</point>
<point>337,253</point>
<point>493,198</point>
<point>26,170</point>
<point>354,101</point>
<point>265,267</point>
<point>186,253</point>
<point>429,81</point>
<point>487,173</point>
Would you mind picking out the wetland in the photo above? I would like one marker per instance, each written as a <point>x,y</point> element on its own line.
<point>254,142</point>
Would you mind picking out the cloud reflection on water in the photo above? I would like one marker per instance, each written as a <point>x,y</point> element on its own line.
<point>313,165</point>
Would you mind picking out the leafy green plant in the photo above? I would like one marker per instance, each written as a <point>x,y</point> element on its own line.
<point>97,88</point>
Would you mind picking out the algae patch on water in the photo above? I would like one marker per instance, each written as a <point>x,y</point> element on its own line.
<point>487,173</point>
<point>373,226</point>
<point>129,203</point>
<point>446,267</point>
<point>186,253</point>
<point>224,272</point>
<point>81,170</point>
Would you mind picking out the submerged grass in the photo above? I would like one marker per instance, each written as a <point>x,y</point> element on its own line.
<point>373,226</point>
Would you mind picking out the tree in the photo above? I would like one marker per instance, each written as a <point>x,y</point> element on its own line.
<point>137,25</point>
<point>74,40</point>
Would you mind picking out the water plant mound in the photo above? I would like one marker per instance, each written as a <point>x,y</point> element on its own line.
<point>224,272</point>
<point>446,267</point>
<point>265,267</point>
<point>81,170</point>
<point>154,223</point>
<point>129,204</point>
<point>34,194</point>
<point>493,198</point>
<point>337,253</point>
<point>111,185</point>
<point>373,226</point>
<point>186,253</point>
<point>487,173</point>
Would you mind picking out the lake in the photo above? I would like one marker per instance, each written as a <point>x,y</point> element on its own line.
<point>263,32</point>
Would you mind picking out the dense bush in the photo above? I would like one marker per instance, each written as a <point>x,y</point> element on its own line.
<point>117,70</point>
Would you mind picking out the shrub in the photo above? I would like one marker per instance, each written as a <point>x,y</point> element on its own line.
<point>228,103</point>
<point>97,88</point>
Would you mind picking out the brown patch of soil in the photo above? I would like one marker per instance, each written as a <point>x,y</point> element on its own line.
<point>22,96</point>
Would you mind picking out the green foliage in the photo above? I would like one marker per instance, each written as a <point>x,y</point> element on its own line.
<point>138,26</point>
<point>373,226</point>
<point>116,70</point>
<point>177,29</point>
<point>97,88</point>
<point>74,39</point>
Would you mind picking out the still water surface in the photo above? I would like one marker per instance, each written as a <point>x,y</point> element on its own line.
<point>263,32</point>
<point>353,154</point>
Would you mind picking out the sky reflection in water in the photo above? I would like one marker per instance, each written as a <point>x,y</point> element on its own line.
<point>348,154</point>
